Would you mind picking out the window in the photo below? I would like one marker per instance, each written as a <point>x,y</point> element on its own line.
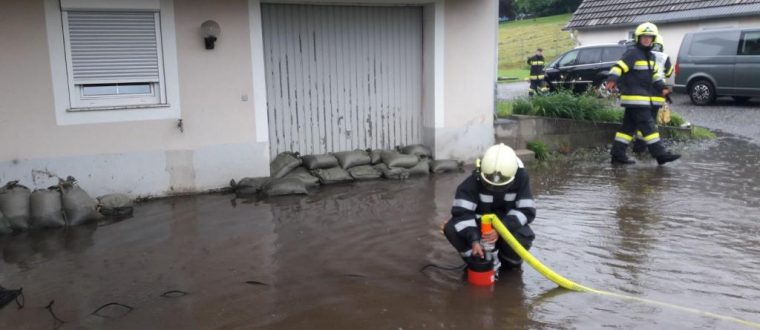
<point>589,56</point>
<point>750,44</point>
<point>113,58</point>
<point>612,54</point>
<point>110,55</point>
<point>713,44</point>
<point>569,58</point>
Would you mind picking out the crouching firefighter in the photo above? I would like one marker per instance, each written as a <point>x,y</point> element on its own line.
<point>498,185</point>
<point>636,75</point>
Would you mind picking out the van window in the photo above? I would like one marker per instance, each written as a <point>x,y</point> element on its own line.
<point>750,44</point>
<point>612,54</point>
<point>589,56</point>
<point>712,44</point>
<point>569,58</point>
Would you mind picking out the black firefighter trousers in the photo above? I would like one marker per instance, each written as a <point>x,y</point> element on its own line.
<point>507,256</point>
<point>641,119</point>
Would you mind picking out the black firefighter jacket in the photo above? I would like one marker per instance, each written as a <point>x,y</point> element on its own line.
<point>514,207</point>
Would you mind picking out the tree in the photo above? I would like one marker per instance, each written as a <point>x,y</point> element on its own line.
<point>546,7</point>
<point>507,9</point>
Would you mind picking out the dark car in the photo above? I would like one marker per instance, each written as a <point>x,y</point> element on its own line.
<point>583,67</point>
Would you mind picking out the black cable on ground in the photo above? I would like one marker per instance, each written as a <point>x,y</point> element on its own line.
<point>57,322</point>
<point>460,267</point>
<point>130,309</point>
<point>174,294</point>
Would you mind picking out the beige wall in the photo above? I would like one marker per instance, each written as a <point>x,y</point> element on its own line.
<point>469,61</point>
<point>219,140</point>
<point>223,74</point>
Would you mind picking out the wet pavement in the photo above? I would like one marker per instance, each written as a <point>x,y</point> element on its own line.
<point>352,256</point>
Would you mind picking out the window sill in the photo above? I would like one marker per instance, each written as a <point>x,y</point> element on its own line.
<point>123,107</point>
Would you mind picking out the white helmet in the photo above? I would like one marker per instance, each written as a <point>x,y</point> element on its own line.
<point>499,165</point>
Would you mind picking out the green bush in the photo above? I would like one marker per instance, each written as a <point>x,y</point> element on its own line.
<point>503,109</point>
<point>522,106</point>
<point>539,148</point>
<point>565,104</point>
<point>676,120</point>
<point>702,133</point>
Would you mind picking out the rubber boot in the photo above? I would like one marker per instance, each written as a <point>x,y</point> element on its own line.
<point>667,157</point>
<point>639,146</point>
<point>618,154</point>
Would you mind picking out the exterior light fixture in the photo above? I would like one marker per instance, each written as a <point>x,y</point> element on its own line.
<point>210,31</point>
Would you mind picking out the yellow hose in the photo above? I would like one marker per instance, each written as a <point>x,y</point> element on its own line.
<point>570,285</point>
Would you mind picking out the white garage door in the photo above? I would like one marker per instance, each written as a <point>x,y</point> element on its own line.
<point>342,77</point>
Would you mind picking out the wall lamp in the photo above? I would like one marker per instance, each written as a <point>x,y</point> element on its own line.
<point>210,31</point>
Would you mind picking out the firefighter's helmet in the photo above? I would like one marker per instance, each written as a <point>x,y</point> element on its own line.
<point>498,166</point>
<point>645,29</point>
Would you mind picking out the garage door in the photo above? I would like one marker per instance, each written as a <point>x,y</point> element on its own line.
<point>342,77</point>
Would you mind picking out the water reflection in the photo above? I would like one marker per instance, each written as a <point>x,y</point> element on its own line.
<point>26,249</point>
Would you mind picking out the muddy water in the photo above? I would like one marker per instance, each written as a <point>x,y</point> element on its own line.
<point>350,257</point>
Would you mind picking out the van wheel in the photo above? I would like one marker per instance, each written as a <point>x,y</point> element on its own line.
<point>701,92</point>
<point>741,99</point>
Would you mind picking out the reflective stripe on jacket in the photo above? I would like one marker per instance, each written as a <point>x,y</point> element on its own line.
<point>536,63</point>
<point>638,78</point>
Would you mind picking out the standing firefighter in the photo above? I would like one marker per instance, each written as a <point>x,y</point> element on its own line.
<point>641,87</point>
<point>665,70</point>
<point>499,185</point>
<point>536,63</point>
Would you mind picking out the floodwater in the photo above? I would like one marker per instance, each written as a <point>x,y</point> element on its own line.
<point>351,256</point>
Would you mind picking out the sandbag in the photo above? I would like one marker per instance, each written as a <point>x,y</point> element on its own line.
<point>393,173</point>
<point>376,155</point>
<point>349,159</point>
<point>116,205</point>
<point>283,164</point>
<point>422,168</point>
<point>14,203</point>
<point>78,206</point>
<point>314,162</point>
<point>417,150</point>
<point>5,228</point>
<point>332,175</point>
<point>286,186</point>
<point>46,209</point>
<point>302,174</point>
<point>445,166</point>
<point>249,186</point>
<point>364,172</point>
<point>395,159</point>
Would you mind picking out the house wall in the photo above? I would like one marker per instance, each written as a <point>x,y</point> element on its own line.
<point>138,157</point>
<point>223,136</point>
<point>672,33</point>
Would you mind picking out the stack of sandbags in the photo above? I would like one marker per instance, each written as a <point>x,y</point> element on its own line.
<point>446,166</point>
<point>418,150</point>
<point>47,209</point>
<point>78,206</point>
<point>247,187</point>
<point>339,171</point>
<point>396,165</point>
<point>116,205</point>
<point>14,204</point>
<point>283,164</point>
<point>5,227</point>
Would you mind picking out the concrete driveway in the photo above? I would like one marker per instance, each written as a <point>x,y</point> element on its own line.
<point>723,115</point>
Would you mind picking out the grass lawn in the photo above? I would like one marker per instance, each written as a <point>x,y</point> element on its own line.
<point>518,40</point>
<point>513,74</point>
